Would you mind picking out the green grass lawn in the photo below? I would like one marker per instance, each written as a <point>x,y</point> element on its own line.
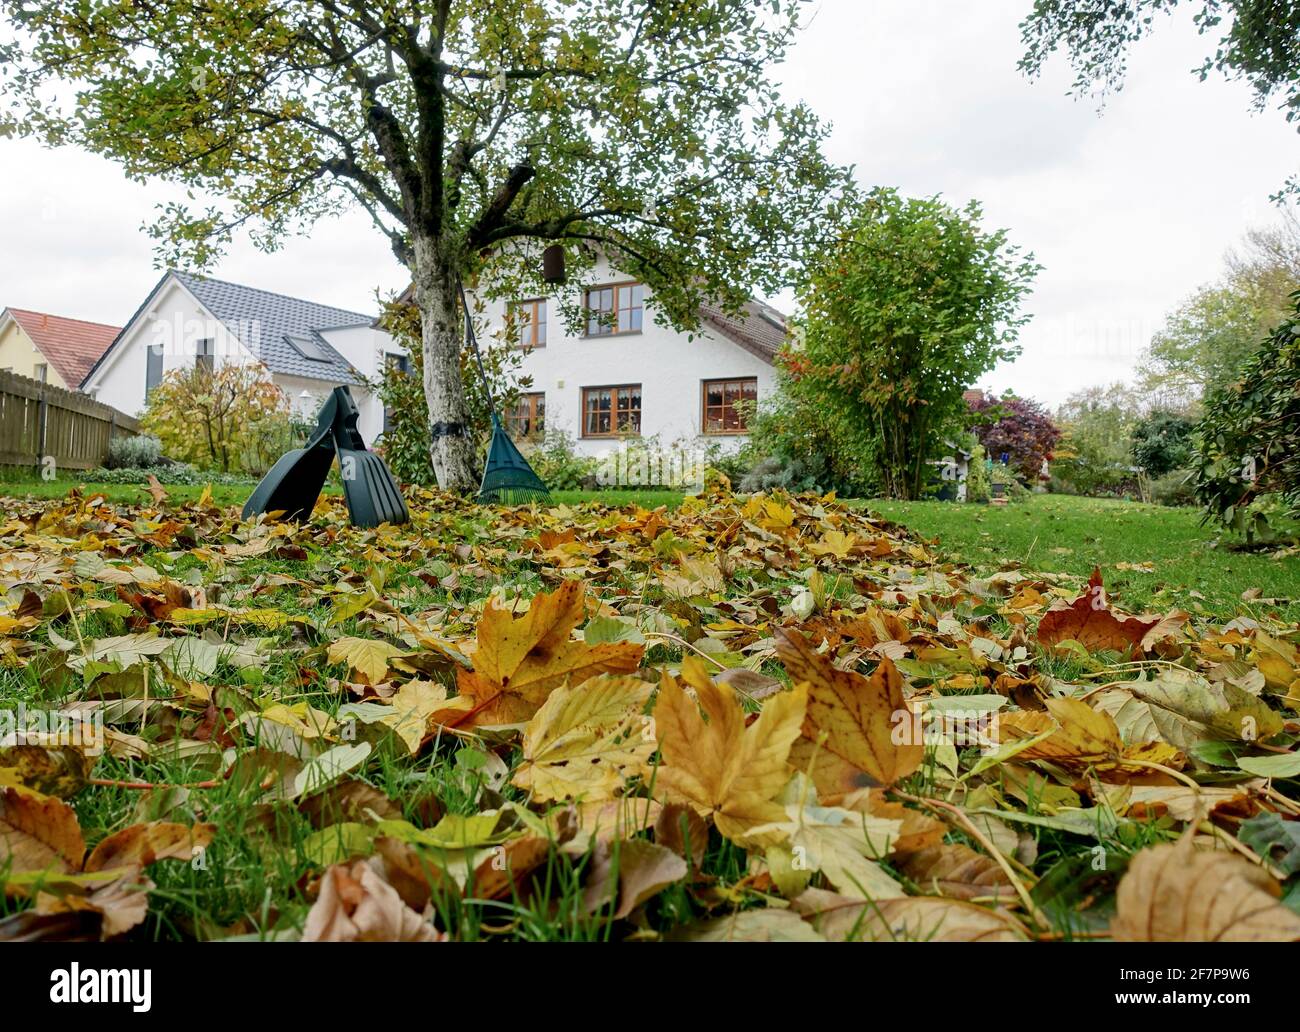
<point>1051,533</point>
<point>1061,533</point>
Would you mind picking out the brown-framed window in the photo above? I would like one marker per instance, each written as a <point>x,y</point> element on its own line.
<point>611,411</point>
<point>205,357</point>
<point>727,405</point>
<point>617,308</point>
<point>529,318</point>
<point>527,420</point>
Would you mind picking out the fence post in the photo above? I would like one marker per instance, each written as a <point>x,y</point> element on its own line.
<point>42,424</point>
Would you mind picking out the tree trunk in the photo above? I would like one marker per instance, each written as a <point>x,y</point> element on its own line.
<point>437,295</point>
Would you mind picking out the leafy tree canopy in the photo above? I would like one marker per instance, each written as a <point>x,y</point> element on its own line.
<point>472,132</point>
<point>912,304</point>
<point>1258,41</point>
<point>1095,455</point>
<point>1019,428</point>
<point>1207,340</point>
<point>1162,442</point>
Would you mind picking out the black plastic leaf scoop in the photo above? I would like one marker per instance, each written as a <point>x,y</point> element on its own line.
<point>295,481</point>
<point>372,494</point>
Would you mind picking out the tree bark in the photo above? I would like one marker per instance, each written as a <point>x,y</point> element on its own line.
<point>437,295</point>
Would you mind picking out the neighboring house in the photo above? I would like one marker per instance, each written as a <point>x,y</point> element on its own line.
<point>51,348</point>
<point>627,372</point>
<point>190,321</point>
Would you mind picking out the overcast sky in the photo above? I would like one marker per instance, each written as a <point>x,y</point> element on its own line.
<point>1128,210</point>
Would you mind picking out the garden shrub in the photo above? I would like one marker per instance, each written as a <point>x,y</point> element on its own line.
<point>140,452</point>
<point>173,473</point>
<point>1174,488</point>
<point>1162,443</point>
<point>560,466</point>
<point>1247,445</point>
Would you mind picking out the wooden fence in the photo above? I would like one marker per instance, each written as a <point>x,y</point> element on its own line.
<point>38,420</point>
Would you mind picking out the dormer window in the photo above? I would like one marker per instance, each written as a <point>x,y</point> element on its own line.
<point>308,348</point>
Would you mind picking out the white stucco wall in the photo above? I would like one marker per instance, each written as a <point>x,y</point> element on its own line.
<point>670,369</point>
<point>370,421</point>
<point>365,347</point>
<point>178,322</point>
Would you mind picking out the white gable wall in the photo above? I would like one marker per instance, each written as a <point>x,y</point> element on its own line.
<point>174,319</point>
<point>670,369</point>
<point>363,346</point>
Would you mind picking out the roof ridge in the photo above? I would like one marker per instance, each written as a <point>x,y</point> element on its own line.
<point>205,278</point>
<point>65,318</point>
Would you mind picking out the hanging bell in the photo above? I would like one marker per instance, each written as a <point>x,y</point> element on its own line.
<point>553,264</point>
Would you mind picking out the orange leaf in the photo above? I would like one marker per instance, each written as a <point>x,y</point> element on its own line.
<point>1090,621</point>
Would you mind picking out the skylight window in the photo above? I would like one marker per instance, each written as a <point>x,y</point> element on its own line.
<point>308,348</point>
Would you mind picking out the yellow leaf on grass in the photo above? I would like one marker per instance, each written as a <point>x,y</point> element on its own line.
<point>368,657</point>
<point>413,705</point>
<point>521,660</point>
<point>585,738</point>
<point>861,717</point>
<point>834,543</point>
<point>723,769</point>
<point>840,845</point>
<point>143,844</point>
<point>1084,736</point>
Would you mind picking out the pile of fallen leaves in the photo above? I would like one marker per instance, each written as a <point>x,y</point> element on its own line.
<point>756,717</point>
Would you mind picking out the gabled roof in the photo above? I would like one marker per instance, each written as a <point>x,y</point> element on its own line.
<point>270,320</point>
<point>759,328</point>
<point>71,346</point>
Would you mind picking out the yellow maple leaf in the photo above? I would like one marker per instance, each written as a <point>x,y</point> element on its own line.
<point>834,543</point>
<point>721,768</point>
<point>367,657</point>
<point>413,705</point>
<point>520,660</point>
<point>585,738</point>
<point>860,718</point>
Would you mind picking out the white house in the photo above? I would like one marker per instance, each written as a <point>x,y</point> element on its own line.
<point>625,371</point>
<point>190,320</point>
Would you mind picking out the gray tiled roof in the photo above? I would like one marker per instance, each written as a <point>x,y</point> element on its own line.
<point>261,320</point>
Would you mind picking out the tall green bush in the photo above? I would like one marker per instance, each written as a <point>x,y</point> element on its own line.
<point>1248,442</point>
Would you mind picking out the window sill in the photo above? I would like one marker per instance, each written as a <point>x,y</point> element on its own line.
<point>606,336</point>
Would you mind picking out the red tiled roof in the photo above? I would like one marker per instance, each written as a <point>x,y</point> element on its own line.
<point>759,329</point>
<point>70,345</point>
